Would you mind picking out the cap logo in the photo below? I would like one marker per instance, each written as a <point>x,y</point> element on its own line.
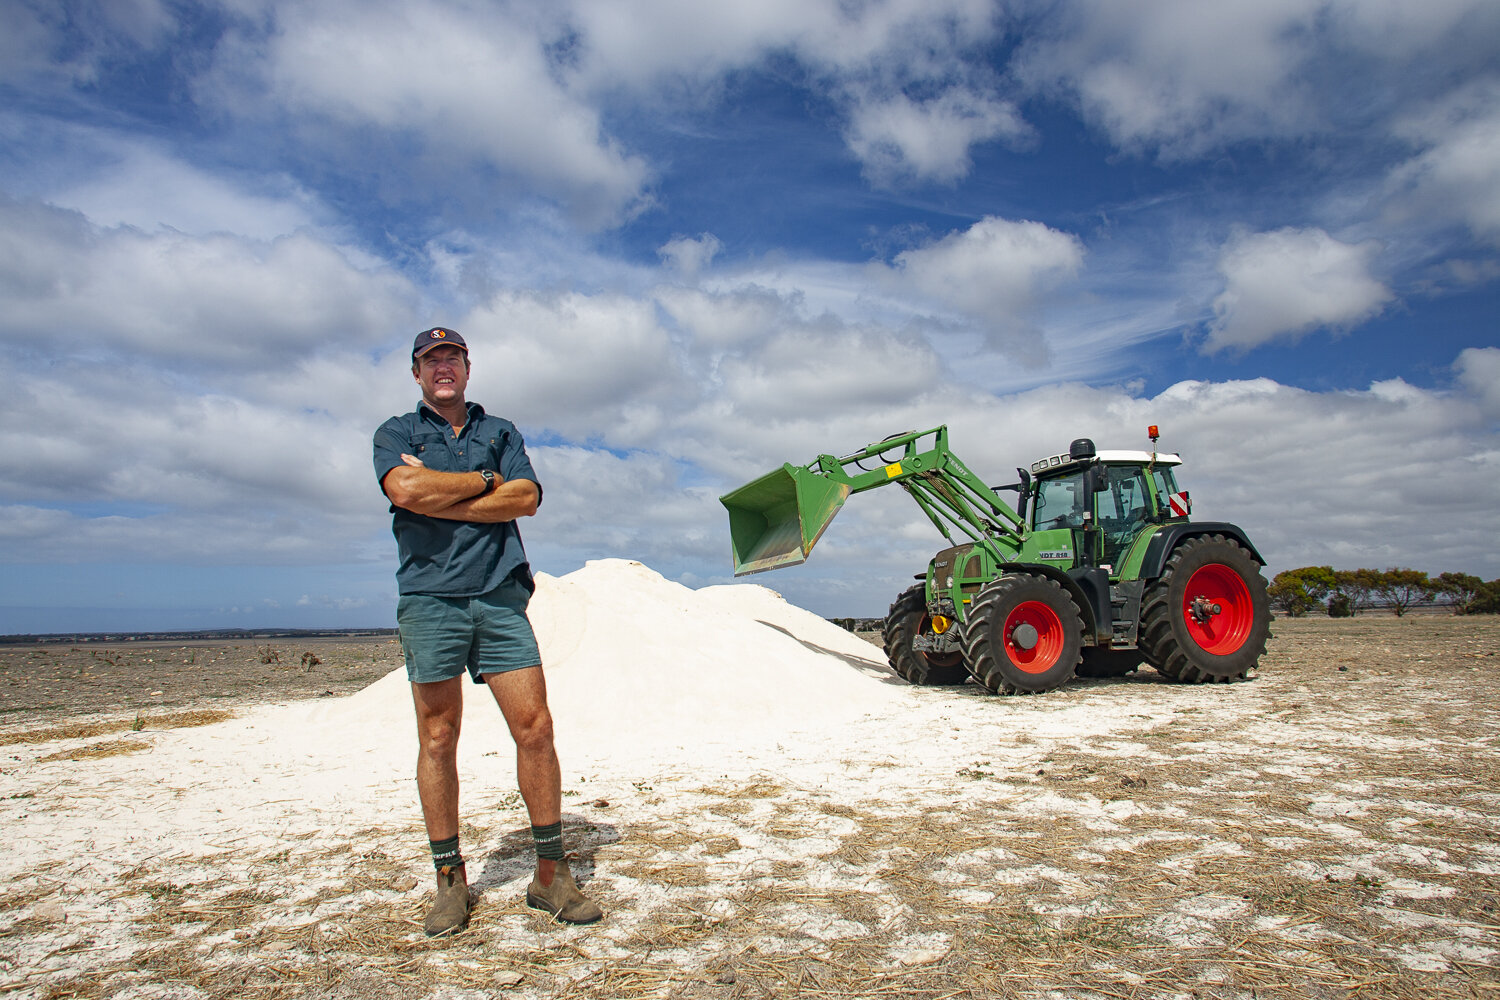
<point>439,334</point>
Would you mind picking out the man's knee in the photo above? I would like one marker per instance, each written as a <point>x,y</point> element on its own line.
<point>532,728</point>
<point>439,737</point>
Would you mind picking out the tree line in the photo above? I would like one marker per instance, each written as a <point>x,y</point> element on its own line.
<point>1345,592</point>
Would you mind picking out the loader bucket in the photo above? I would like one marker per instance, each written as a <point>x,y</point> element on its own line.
<point>777,519</point>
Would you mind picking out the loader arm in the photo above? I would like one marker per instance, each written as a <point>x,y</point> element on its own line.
<point>776,520</point>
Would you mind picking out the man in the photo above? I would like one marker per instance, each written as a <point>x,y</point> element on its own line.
<point>457,479</point>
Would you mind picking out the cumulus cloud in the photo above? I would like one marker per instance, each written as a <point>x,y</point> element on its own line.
<point>870,58</point>
<point>996,273</point>
<point>45,42</point>
<point>717,321</point>
<point>897,138</point>
<point>689,256</point>
<point>1456,176</point>
<point>1181,76</point>
<point>470,87</point>
<point>587,367</point>
<point>1283,284</point>
<point>219,300</point>
<point>137,185</point>
<point>1184,78</point>
<point>1478,370</point>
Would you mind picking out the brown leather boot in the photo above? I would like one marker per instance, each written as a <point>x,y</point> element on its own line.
<point>450,914</point>
<point>562,898</point>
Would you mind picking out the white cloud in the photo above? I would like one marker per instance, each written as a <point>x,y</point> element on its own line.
<point>42,42</point>
<point>690,256</point>
<point>898,138</point>
<point>872,57</point>
<point>588,367</point>
<point>1283,284</point>
<point>1478,370</point>
<point>1180,75</point>
<point>1456,176</point>
<point>1185,78</point>
<point>470,87</point>
<point>638,43</point>
<point>218,300</point>
<point>996,272</point>
<point>142,187</point>
<point>724,320</point>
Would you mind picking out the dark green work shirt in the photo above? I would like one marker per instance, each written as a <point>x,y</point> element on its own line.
<point>454,558</point>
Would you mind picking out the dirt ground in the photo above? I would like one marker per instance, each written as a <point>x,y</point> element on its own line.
<point>53,680</point>
<point>1330,828</point>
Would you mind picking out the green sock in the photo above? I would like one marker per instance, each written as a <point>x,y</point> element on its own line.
<point>445,853</point>
<point>548,839</point>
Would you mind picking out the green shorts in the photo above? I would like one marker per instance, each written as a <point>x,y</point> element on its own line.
<point>442,637</point>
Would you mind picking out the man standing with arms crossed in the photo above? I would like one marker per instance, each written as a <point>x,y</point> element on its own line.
<point>457,479</point>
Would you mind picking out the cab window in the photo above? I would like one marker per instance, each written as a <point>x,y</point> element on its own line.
<point>1059,503</point>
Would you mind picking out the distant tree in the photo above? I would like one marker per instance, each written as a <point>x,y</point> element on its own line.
<point>1352,589</point>
<point>1339,606</point>
<point>1458,589</point>
<point>1298,591</point>
<point>1400,588</point>
<point>1486,600</point>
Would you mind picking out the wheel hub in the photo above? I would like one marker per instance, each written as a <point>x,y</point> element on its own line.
<point>1024,636</point>
<point>1203,610</point>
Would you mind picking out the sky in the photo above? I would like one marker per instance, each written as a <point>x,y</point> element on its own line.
<point>689,242</point>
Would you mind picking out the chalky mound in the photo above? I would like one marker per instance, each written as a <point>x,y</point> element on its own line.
<point>639,667</point>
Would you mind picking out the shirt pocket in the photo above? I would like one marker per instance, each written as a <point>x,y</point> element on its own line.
<point>433,450</point>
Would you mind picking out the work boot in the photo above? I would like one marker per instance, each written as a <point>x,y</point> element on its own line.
<point>450,913</point>
<point>562,898</point>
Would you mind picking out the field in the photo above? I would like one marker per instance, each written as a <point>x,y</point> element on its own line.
<point>1330,828</point>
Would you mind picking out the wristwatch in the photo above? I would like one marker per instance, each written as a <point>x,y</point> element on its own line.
<point>489,481</point>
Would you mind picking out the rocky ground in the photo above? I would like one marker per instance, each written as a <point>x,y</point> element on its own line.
<point>1330,828</point>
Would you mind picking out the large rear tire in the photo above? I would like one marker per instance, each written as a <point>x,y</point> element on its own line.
<point>1100,661</point>
<point>906,620</point>
<point>1206,618</point>
<point>1023,635</point>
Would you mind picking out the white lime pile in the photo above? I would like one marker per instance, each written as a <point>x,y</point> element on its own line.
<point>646,673</point>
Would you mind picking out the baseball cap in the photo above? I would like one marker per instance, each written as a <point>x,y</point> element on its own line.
<point>437,337</point>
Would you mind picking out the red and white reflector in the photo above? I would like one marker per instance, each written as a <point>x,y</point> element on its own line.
<point>1180,503</point>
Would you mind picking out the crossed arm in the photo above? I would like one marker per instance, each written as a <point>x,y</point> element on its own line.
<point>451,495</point>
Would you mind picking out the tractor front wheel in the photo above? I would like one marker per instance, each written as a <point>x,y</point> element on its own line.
<point>1206,618</point>
<point>1023,635</point>
<point>906,620</point>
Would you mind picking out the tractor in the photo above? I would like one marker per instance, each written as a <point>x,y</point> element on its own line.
<point>1095,570</point>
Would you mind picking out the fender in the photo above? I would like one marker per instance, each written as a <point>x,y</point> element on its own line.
<point>1160,547</point>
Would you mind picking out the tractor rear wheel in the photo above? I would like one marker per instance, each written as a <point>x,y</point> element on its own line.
<point>906,620</point>
<point>1206,618</point>
<point>1023,635</point>
<point>1100,661</point>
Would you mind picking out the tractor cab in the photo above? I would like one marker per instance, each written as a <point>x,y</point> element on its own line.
<point>1105,498</point>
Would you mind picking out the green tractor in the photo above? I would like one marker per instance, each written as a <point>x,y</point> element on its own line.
<point>1095,570</point>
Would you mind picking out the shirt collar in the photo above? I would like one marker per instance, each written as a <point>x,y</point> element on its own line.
<point>428,413</point>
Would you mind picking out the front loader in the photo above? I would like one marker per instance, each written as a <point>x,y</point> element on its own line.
<point>1097,569</point>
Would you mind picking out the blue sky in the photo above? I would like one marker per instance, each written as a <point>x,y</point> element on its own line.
<point>689,242</point>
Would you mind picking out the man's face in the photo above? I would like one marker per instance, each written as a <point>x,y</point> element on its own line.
<point>443,373</point>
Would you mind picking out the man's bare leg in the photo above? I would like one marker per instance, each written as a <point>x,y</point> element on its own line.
<point>439,708</point>
<point>440,715</point>
<point>522,696</point>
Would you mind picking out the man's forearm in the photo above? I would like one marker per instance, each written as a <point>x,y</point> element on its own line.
<point>506,502</point>
<point>426,491</point>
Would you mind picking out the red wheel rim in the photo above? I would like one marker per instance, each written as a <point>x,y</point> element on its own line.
<point>1226,631</point>
<point>1049,642</point>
